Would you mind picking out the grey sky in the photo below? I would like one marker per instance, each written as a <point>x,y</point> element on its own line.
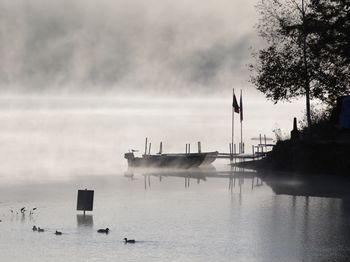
<point>118,44</point>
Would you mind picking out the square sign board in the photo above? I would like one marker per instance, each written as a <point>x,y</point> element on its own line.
<point>85,200</point>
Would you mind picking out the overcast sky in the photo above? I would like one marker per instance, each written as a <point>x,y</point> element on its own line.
<point>116,44</point>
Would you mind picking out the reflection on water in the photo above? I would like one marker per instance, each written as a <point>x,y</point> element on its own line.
<point>198,175</point>
<point>316,186</point>
<point>84,220</point>
<point>250,217</point>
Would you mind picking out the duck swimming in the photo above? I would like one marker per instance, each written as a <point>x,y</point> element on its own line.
<point>106,231</point>
<point>129,240</point>
<point>34,228</point>
<point>58,233</point>
<point>40,229</point>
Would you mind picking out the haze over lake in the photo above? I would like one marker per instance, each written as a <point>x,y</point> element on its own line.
<point>54,137</point>
<point>83,82</point>
<point>53,146</point>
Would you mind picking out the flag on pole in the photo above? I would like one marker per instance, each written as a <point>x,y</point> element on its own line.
<point>235,104</point>
<point>241,107</point>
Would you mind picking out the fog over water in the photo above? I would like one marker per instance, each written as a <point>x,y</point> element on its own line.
<point>56,137</point>
<point>69,45</point>
<point>82,82</point>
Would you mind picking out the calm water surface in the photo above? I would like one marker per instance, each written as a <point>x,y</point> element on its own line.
<point>50,150</point>
<point>174,220</point>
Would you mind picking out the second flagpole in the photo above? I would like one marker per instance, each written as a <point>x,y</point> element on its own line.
<point>241,119</point>
<point>233,117</point>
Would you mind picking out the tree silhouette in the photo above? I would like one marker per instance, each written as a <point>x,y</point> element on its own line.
<point>307,50</point>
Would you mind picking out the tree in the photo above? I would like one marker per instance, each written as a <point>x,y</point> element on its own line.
<point>304,51</point>
<point>330,25</point>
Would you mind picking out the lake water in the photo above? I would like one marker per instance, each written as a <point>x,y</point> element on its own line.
<point>50,148</point>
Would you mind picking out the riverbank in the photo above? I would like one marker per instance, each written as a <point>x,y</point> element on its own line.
<point>311,157</point>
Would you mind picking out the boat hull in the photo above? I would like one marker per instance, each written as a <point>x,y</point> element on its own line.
<point>171,160</point>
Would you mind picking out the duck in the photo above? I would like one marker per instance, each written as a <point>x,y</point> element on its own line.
<point>58,233</point>
<point>129,240</point>
<point>34,228</point>
<point>40,229</point>
<point>106,231</point>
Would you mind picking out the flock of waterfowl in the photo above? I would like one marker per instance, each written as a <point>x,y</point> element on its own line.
<point>39,229</point>
<point>23,210</point>
<point>103,231</point>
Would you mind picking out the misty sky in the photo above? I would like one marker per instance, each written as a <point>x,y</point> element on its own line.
<point>116,44</point>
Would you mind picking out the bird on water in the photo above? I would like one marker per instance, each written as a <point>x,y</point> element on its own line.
<point>34,228</point>
<point>58,233</point>
<point>40,229</point>
<point>129,240</point>
<point>106,231</point>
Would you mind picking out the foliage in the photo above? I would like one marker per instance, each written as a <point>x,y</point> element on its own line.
<point>319,113</point>
<point>323,127</point>
<point>307,50</point>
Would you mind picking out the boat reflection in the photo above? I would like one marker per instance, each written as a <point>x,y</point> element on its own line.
<point>234,176</point>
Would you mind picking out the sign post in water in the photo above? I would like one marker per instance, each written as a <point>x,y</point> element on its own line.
<point>85,200</point>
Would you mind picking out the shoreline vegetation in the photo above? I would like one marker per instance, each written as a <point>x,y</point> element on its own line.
<point>322,149</point>
<point>306,158</point>
<point>307,55</point>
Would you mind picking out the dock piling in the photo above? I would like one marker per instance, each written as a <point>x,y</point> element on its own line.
<point>260,139</point>
<point>146,147</point>
<point>161,148</point>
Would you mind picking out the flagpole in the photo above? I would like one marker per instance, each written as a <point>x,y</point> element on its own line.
<point>241,118</point>
<point>241,138</point>
<point>233,117</point>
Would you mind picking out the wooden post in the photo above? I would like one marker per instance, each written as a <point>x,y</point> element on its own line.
<point>84,208</point>
<point>253,151</point>
<point>234,153</point>
<point>149,149</point>
<point>146,147</point>
<point>189,148</point>
<point>260,139</point>
<point>186,149</point>
<point>161,148</point>
<point>199,147</point>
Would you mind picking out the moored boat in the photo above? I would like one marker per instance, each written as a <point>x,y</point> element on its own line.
<point>185,161</point>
